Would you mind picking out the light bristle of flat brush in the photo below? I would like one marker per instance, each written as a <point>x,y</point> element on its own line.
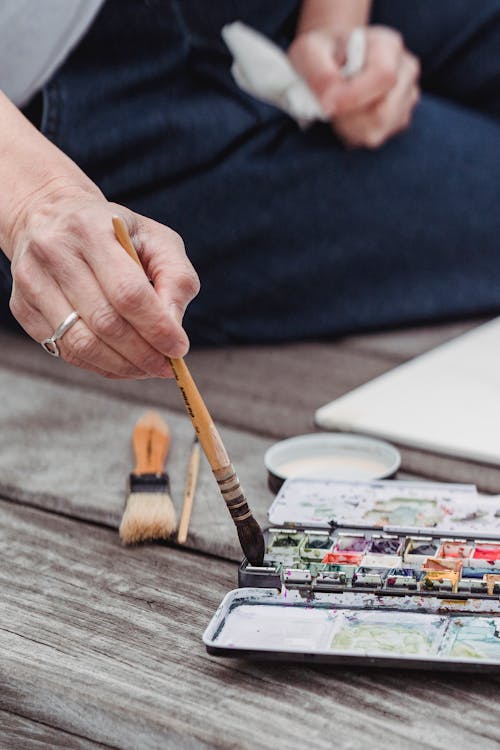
<point>147,516</point>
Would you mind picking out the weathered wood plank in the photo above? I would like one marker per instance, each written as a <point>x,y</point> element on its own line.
<point>19,733</point>
<point>71,453</point>
<point>272,391</point>
<point>299,378</point>
<point>104,643</point>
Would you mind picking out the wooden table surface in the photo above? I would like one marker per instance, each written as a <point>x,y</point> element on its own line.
<point>100,646</point>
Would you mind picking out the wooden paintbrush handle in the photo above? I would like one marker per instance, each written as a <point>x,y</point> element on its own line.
<point>208,435</point>
<point>189,491</point>
<point>210,440</point>
<point>249,531</point>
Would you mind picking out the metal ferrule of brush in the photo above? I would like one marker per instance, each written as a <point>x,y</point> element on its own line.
<point>232,493</point>
<point>149,483</point>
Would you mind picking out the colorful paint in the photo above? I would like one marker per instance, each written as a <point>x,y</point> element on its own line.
<point>402,511</point>
<point>424,587</point>
<point>351,543</point>
<point>384,545</point>
<point>487,551</point>
<point>315,545</point>
<point>398,630</point>
<point>382,633</point>
<point>343,558</point>
<point>419,548</point>
<point>473,638</point>
<point>455,549</point>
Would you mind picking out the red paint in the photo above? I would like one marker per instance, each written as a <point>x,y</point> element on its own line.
<point>487,552</point>
<point>455,549</point>
<point>343,558</point>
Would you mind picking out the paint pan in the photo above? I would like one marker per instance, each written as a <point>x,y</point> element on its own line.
<point>285,543</point>
<point>384,544</point>
<point>402,578</point>
<point>417,549</point>
<point>382,561</point>
<point>357,543</point>
<point>343,558</point>
<point>327,456</point>
<point>485,555</point>
<point>455,548</point>
<point>315,545</point>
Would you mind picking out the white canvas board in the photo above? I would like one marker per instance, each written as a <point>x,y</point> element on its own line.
<point>446,401</point>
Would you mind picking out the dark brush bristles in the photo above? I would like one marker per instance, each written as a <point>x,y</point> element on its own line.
<point>251,540</point>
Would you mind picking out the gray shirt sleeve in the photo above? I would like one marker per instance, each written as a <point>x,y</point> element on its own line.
<point>35,38</point>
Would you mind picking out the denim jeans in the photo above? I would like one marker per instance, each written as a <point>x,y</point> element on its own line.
<point>293,235</point>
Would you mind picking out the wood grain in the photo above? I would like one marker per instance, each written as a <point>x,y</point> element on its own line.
<point>19,733</point>
<point>299,378</point>
<point>103,643</point>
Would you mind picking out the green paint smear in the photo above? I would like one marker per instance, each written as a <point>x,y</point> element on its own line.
<point>476,638</point>
<point>401,511</point>
<point>393,639</point>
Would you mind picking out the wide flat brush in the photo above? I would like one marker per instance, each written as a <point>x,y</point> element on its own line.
<point>149,511</point>
<point>249,531</point>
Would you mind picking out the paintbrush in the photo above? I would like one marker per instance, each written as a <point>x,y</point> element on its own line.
<point>189,490</point>
<point>249,531</point>
<point>149,511</point>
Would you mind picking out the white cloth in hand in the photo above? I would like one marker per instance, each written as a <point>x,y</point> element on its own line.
<point>263,70</point>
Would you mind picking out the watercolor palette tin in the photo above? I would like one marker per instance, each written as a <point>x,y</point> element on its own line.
<point>373,573</point>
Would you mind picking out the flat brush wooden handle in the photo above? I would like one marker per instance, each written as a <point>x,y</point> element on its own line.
<point>151,441</point>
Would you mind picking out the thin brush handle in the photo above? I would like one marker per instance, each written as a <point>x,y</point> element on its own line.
<point>189,490</point>
<point>209,438</point>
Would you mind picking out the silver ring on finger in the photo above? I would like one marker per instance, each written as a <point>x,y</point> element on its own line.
<point>50,345</point>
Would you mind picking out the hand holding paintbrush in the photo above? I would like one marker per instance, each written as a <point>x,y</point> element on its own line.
<point>249,531</point>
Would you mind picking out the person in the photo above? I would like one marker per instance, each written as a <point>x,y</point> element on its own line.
<point>387,214</point>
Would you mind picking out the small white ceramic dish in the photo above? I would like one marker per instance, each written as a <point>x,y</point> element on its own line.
<point>331,456</point>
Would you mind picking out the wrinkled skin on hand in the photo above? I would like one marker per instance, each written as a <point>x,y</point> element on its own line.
<point>65,256</point>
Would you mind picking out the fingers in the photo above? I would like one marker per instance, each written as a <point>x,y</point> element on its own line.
<point>69,258</point>
<point>380,73</point>
<point>80,286</point>
<point>129,291</point>
<point>174,278</point>
<point>372,127</point>
<point>78,346</point>
<point>315,55</point>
